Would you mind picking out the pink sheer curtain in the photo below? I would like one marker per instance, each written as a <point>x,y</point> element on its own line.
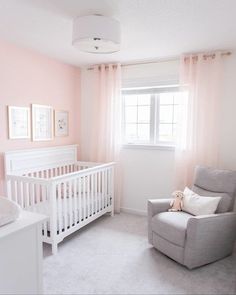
<point>198,128</point>
<point>102,140</point>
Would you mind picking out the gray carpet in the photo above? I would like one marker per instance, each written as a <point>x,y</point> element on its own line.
<point>112,256</point>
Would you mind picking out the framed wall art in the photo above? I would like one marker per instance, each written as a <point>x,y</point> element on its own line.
<point>18,122</point>
<point>61,123</point>
<point>42,122</point>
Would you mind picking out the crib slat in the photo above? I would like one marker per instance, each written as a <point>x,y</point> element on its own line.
<point>79,185</point>
<point>99,191</point>
<point>84,198</point>
<point>44,200</point>
<point>24,194</point>
<point>65,206</point>
<point>15,191</point>
<point>70,203</point>
<point>9,193</point>
<point>95,194</point>
<point>20,193</point>
<point>92,193</point>
<point>31,196</point>
<point>88,196</point>
<point>103,189</point>
<point>75,205</point>
<point>60,214</point>
<point>51,191</point>
<point>12,190</point>
<point>27,197</point>
<point>110,185</point>
<point>38,193</point>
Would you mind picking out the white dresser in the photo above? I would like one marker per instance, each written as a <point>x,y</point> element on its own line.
<point>21,255</point>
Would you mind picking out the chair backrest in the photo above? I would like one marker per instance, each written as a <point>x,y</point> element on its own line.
<point>215,182</point>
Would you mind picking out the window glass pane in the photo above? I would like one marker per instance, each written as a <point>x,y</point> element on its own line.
<point>131,114</point>
<point>131,132</point>
<point>143,114</point>
<point>143,132</point>
<point>166,113</point>
<point>165,132</point>
<point>131,99</point>
<point>144,99</point>
<point>166,98</point>
<point>176,113</point>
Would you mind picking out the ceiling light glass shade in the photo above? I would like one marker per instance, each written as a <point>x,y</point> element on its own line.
<point>96,34</point>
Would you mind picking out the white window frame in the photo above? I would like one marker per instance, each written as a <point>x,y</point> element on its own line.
<point>154,116</point>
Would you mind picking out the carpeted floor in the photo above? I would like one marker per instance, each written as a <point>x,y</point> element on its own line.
<point>112,256</point>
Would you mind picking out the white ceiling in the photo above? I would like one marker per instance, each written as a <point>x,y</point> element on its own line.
<point>151,29</point>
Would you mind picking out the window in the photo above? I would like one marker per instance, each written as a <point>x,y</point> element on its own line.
<point>150,115</point>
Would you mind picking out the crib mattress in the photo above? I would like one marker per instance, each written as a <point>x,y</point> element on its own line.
<point>67,213</point>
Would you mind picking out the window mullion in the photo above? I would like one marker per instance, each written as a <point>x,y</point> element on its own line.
<point>152,119</point>
<point>157,117</point>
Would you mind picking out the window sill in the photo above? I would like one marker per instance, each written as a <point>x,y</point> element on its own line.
<point>148,147</point>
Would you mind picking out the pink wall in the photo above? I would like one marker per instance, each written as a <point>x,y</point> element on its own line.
<point>28,77</point>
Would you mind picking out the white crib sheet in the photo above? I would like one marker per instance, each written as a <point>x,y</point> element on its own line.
<point>82,213</point>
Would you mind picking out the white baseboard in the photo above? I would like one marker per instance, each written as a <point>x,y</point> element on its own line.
<point>133,211</point>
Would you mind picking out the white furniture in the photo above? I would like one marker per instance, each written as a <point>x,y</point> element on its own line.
<point>50,181</point>
<point>21,255</point>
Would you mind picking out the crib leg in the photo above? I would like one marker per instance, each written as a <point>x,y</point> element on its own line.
<point>112,212</point>
<point>54,248</point>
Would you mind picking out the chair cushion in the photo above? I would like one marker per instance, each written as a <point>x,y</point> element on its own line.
<point>225,201</point>
<point>171,226</point>
<point>216,180</point>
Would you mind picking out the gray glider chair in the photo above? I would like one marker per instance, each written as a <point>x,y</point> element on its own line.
<point>197,240</point>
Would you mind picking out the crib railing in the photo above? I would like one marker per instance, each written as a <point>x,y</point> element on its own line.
<point>88,193</point>
<point>29,192</point>
<point>50,172</point>
<point>70,195</point>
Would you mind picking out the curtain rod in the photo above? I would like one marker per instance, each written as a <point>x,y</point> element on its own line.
<point>144,62</point>
<point>210,55</point>
<point>227,53</point>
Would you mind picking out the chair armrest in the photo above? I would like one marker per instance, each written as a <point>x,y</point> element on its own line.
<point>209,237</point>
<point>155,206</point>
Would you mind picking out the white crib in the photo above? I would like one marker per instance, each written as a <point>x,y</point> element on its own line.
<point>51,181</point>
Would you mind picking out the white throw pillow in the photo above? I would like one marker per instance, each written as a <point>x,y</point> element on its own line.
<point>199,205</point>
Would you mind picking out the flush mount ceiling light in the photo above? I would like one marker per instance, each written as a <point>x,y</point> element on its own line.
<point>96,34</point>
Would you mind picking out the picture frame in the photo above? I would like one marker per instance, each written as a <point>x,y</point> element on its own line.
<point>61,123</point>
<point>19,122</point>
<point>42,122</point>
